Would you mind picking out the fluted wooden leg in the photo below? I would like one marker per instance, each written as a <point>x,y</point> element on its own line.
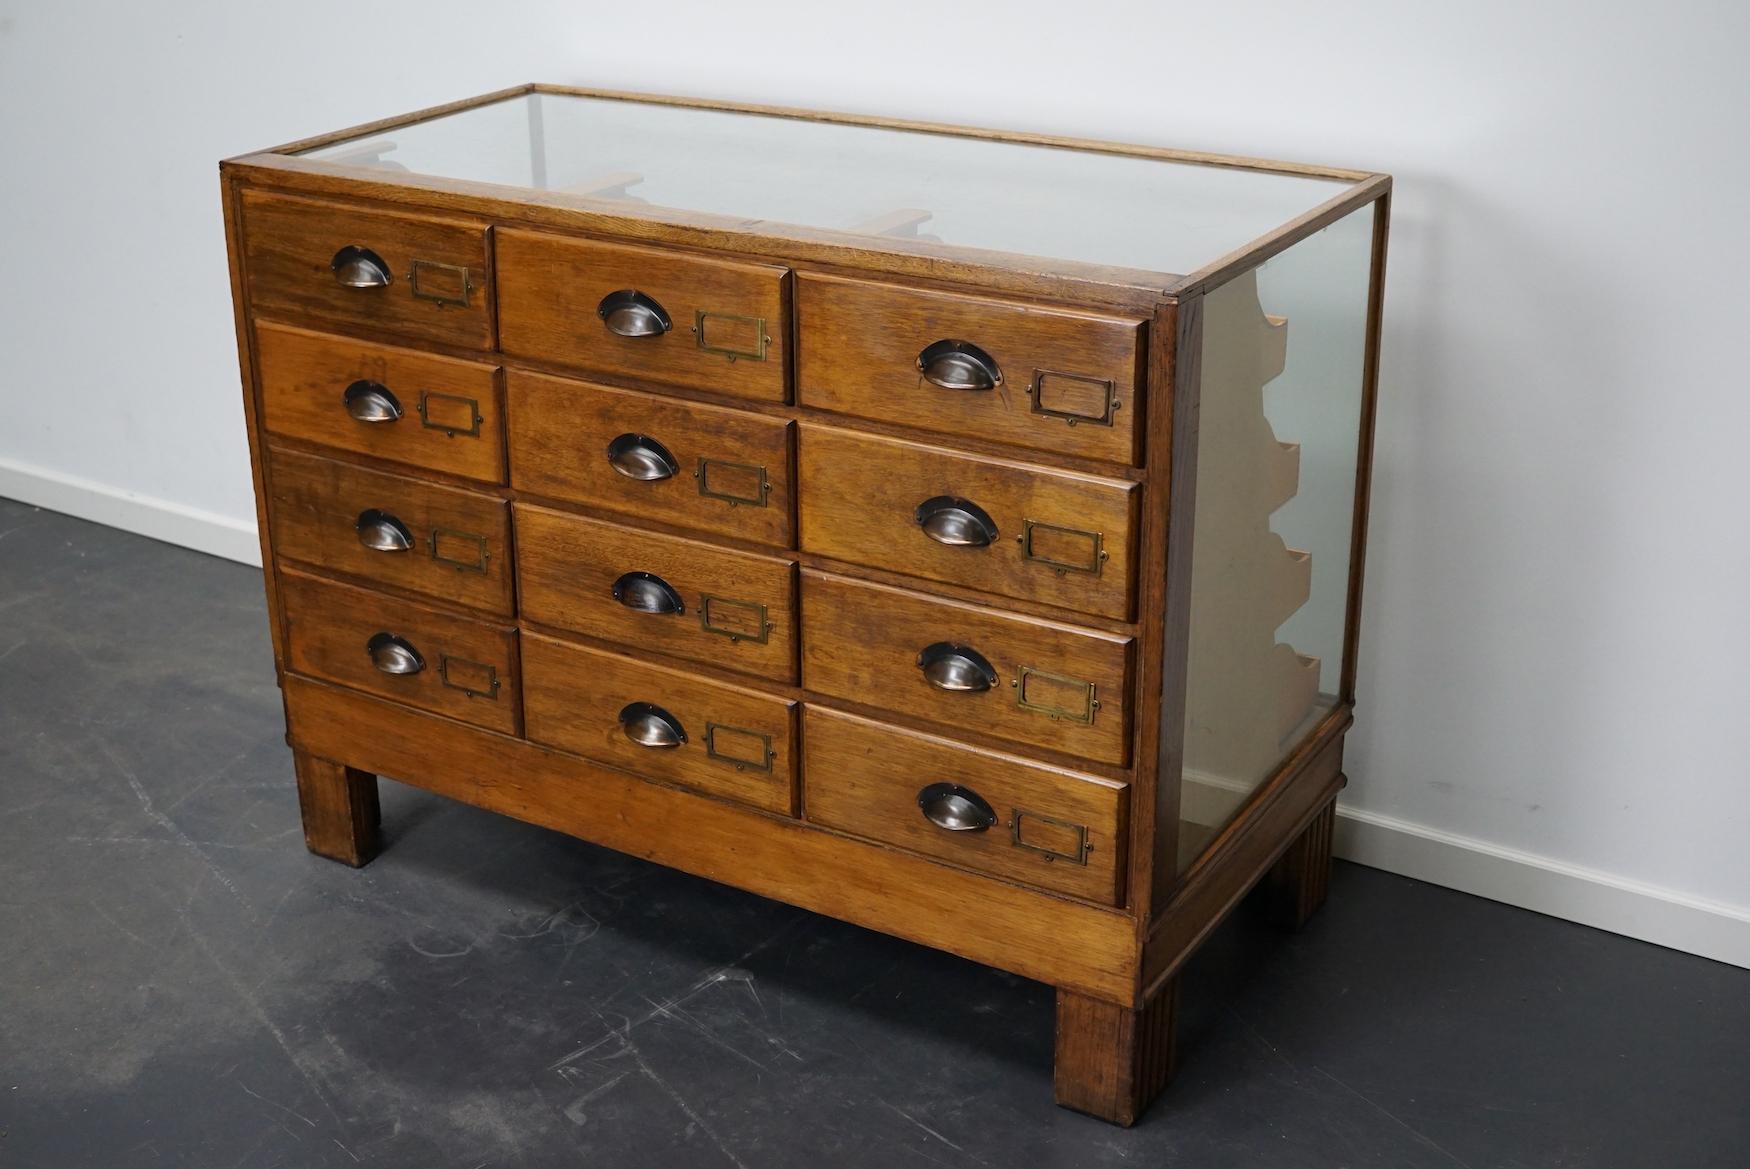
<point>1295,887</point>
<point>340,809</point>
<point>1112,1060</point>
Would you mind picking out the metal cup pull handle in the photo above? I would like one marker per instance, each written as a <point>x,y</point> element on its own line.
<point>355,266</point>
<point>394,655</point>
<point>630,313</point>
<point>649,725</point>
<point>958,668</point>
<point>382,532</point>
<point>959,523</point>
<point>640,457</point>
<point>369,401</point>
<point>645,592</point>
<point>959,365</point>
<point>955,809</point>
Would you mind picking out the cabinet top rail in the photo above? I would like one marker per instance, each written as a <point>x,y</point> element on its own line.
<point>1136,216</point>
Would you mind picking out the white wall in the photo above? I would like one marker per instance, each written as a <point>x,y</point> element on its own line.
<point>1555,671</point>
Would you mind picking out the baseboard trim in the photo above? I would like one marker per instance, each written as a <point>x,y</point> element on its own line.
<point>1591,897</point>
<point>146,515</point>
<point>1664,917</point>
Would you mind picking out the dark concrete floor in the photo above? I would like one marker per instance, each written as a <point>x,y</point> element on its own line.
<point>181,984</point>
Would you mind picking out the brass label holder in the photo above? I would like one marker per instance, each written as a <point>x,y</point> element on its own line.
<point>1083,712</point>
<point>758,324</point>
<point>1096,541</point>
<point>1108,397</point>
<point>488,689</point>
<point>733,498</point>
<point>754,629</point>
<point>1082,845</point>
<point>758,745</point>
<point>429,398</point>
<point>453,276</point>
<point>442,536</point>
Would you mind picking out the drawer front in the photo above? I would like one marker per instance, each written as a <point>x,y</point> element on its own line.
<point>722,472</point>
<point>1030,532</point>
<point>655,592</point>
<point>642,313</point>
<point>410,653</point>
<point>434,413</point>
<point>1050,379</point>
<point>441,541</point>
<point>418,276</point>
<point>662,723</point>
<point>967,667</point>
<point>1042,825</point>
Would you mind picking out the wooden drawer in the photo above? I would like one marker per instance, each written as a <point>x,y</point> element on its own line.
<point>731,468</point>
<point>726,332</point>
<point>439,274</point>
<point>733,609</point>
<point>434,413</point>
<point>1064,380</point>
<point>738,744</point>
<point>1048,684</point>
<point>1053,828</point>
<point>459,541</point>
<point>1060,538</point>
<point>355,637</point>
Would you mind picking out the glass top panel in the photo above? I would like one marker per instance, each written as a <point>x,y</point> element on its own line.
<point>1123,211</point>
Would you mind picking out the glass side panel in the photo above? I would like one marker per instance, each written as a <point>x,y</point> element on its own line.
<point>1283,348</point>
<point>1082,206</point>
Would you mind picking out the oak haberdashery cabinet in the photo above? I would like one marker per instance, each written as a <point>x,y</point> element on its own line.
<point>954,532</point>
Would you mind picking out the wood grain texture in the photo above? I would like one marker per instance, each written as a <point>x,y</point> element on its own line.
<point>315,512</point>
<point>329,626</point>
<point>740,744</point>
<point>859,500</point>
<point>550,287</point>
<point>863,777</point>
<point>290,244</point>
<point>1031,933</point>
<point>339,808</point>
<point>559,435</point>
<point>452,414</point>
<point>858,343</point>
<point>739,607</point>
<point>1066,281</point>
<point>861,642</point>
<point>232,201</point>
<point>1184,390</point>
<point>1111,1061</point>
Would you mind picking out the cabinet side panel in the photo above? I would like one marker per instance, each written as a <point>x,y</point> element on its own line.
<point>1282,376</point>
<point>232,192</point>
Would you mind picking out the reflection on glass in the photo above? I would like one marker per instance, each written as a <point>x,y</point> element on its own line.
<point>1119,210</point>
<point>1283,349</point>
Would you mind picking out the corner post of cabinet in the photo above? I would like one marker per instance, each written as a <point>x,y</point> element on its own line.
<point>1364,444</point>
<point>1175,396</point>
<point>231,187</point>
